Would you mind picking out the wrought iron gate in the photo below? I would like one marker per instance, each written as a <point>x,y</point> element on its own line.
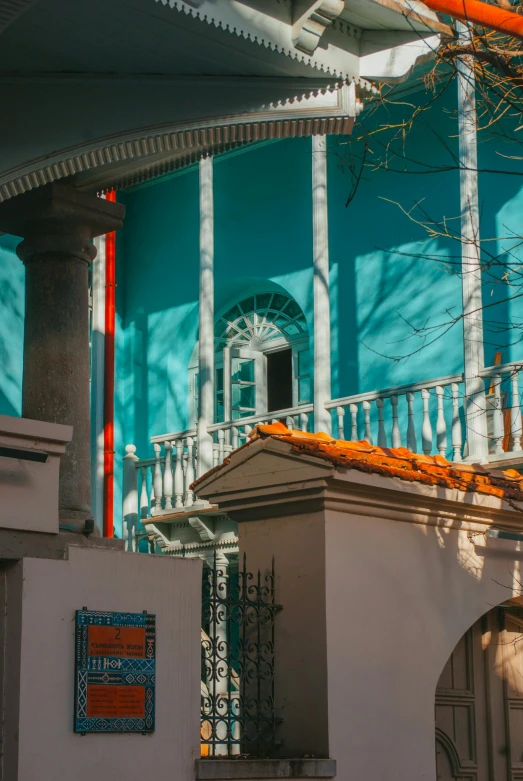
<point>238,613</point>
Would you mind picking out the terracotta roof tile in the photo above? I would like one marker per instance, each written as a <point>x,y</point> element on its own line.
<point>397,462</point>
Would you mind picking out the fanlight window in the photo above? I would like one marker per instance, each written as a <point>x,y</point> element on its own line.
<point>261,358</point>
<point>259,319</point>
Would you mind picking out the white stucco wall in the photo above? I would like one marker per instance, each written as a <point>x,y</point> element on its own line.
<point>48,749</point>
<point>399,597</point>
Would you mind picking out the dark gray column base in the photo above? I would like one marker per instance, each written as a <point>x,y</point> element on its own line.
<point>78,522</point>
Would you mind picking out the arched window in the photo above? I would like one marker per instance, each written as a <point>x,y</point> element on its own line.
<point>261,358</point>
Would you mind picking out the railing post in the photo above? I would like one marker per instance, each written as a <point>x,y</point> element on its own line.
<point>353,408</point>
<point>382,435</point>
<point>157,480</point>
<point>234,437</point>
<point>441,426</point>
<point>178,474</point>
<point>340,415</point>
<point>396,435</point>
<point>497,422</point>
<point>412,444</point>
<point>168,476</point>
<point>189,475</point>
<point>144,499</point>
<point>456,424</point>
<point>130,498</point>
<point>426,426</point>
<point>475,400</point>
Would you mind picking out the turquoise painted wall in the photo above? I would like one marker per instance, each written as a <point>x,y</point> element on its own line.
<point>12,308</point>
<point>380,286</point>
<point>263,237</point>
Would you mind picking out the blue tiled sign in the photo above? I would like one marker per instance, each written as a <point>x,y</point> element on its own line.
<point>115,672</point>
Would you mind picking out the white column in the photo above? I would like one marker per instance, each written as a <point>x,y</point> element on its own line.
<point>475,406</point>
<point>322,332</point>
<point>206,313</point>
<point>97,378</point>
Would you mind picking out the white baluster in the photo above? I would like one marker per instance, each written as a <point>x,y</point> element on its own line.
<point>426,428</point>
<point>366,422</point>
<point>515,412</point>
<point>152,498</point>
<point>456,424</point>
<point>340,417</point>
<point>412,444</point>
<point>441,426</point>
<point>168,476</point>
<point>497,422</point>
<point>304,420</point>
<point>221,444</point>
<point>157,477</point>
<point>235,437</point>
<point>396,434</point>
<point>382,434</point>
<point>247,430</point>
<point>130,497</point>
<point>178,474</point>
<point>215,454</point>
<point>289,422</point>
<point>353,409</point>
<point>189,475</point>
<point>274,420</point>
<point>144,501</point>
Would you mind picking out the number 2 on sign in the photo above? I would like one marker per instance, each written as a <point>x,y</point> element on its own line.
<point>117,634</point>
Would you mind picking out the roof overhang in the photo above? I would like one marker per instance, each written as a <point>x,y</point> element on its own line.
<point>129,158</point>
<point>112,92</point>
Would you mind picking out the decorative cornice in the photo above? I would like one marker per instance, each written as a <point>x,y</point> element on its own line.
<point>312,24</point>
<point>194,549</point>
<point>223,17</point>
<point>323,112</point>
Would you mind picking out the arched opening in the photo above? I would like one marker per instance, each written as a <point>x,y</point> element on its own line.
<point>479,700</point>
<point>262,358</point>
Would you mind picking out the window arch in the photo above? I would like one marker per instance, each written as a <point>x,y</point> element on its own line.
<point>261,318</point>
<point>261,358</point>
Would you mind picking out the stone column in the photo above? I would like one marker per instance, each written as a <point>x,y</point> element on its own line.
<point>58,223</point>
<point>322,327</point>
<point>206,317</point>
<point>475,402</point>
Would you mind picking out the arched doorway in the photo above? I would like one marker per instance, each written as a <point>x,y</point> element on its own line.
<point>479,701</point>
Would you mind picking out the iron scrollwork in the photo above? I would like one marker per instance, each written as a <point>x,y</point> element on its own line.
<point>238,611</point>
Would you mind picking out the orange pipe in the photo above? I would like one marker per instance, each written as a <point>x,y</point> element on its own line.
<point>110,319</point>
<point>477,12</point>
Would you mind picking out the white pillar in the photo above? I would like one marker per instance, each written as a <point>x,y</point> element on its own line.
<point>206,315</point>
<point>322,332</point>
<point>97,378</point>
<point>475,406</point>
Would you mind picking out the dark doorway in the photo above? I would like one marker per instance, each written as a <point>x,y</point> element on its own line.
<point>279,380</point>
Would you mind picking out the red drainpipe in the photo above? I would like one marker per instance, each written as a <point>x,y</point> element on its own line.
<point>110,319</point>
<point>482,14</point>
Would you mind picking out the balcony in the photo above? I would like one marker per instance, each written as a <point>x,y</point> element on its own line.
<point>431,417</point>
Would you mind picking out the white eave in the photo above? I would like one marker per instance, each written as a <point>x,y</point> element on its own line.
<point>382,40</point>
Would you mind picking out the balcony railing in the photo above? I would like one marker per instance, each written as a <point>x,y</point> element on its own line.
<point>428,417</point>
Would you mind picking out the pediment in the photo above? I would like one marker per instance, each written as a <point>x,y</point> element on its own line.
<point>264,466</point>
